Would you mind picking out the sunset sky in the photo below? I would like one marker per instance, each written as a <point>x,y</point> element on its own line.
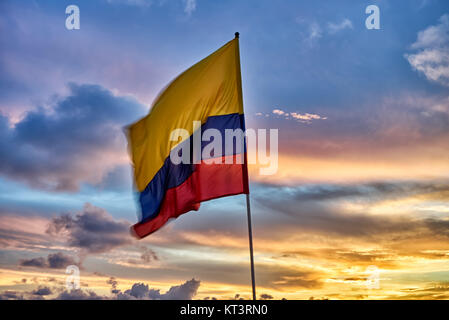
<point>363,178</point>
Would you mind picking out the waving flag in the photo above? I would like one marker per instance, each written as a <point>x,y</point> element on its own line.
<point>208,94</point>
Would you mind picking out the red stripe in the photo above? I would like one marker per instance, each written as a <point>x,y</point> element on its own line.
<point>208,181</point>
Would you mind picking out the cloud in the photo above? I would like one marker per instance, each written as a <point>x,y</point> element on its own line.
<point>137,3</point>
<point>59,260</point>
<point>336,27</point>
<point>113,282</point>
<point>303,118</point>
<point>42,291</point>
<point>78,139</point>
<point>369,192</point>
<point>316,31</point>
<point>79,294</point>
<point>11,295</point>
<point>189,6</point>
<point>432,57</point>
<point>37,294</point>
<point>138,291</point>
<point>433,36</point>
<point>185,291</point>
<point>94,58</point>
<point>307,117</point>
<point>279,112</point>
<point>53,261</point>
<point>93,230</point>
<point>35,262</point>
<point>322,210</point>
<point>23,231</point>
<point>148,255</point>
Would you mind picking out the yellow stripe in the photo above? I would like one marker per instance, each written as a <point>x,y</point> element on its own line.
<point>209,88</point>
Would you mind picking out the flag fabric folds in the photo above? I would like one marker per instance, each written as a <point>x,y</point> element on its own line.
<point>208,92</point>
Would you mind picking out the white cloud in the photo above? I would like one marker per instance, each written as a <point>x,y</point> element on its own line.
<point>304,117</point>
<point>190,6</point>
<point>433,35</point>
<point>137,3</point>
<point>315,31</point>
<point>278,111</point>
<point>432,56</point>
<point>336,27</point>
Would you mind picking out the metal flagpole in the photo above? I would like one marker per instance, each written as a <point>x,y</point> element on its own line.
<point>250,235</point>
<point>248,209</point>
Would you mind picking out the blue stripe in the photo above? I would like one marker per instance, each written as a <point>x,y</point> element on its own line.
<point>172,175</point>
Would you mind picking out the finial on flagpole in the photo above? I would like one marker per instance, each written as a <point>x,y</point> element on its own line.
<point>237,35</point>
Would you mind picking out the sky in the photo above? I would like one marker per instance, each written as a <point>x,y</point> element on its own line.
<point>363,177</point>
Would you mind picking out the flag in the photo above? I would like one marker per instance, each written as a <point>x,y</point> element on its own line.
<point>208,94</point>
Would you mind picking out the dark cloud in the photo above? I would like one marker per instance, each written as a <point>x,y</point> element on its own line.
<point>42,291</point>
<point>79,294</point>
<point>113,282</point>
<point>322,208</point>
<point>373,191</point>
<point>438,226</point>
<point>77,140</point>
<point>148,255</point>
<point>315,208</point>
<point>38,294</point>
<point>11,295</point>
<point>54,261</point>
<point>185,291</point>
<point>138,291</point>
<point>332,221</point>
<point>118,179</point>
<point>59,260</point>
<point>93,230</point>
<point>265,296</point>
<point>34,262</point>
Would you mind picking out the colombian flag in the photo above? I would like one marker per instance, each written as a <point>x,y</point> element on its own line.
<point>210,92</point>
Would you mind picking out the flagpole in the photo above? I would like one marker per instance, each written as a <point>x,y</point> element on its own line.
<point>248,206</point>
<point>250,235</point>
